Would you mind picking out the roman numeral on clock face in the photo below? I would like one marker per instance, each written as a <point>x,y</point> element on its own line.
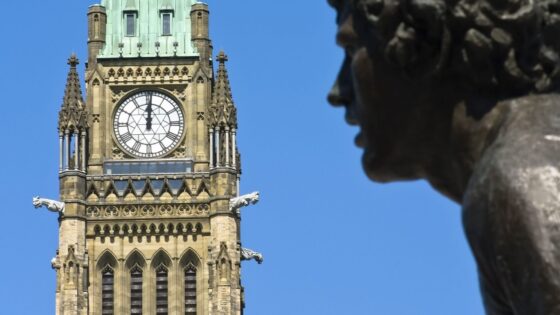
<point>175,123</point>
<point>136,146</point>
<point>126,137</point>
<point>172,136</point>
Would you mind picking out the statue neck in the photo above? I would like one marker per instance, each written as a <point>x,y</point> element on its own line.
<point>469,138</point>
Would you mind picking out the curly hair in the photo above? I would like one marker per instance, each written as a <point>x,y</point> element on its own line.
<point>504,47</point>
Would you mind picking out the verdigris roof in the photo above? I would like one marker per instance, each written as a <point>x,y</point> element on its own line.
<point>148,29</point>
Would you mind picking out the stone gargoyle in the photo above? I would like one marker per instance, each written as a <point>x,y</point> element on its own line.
<point>235,204</point>
<point>51,205</point>
<point>247,254</point>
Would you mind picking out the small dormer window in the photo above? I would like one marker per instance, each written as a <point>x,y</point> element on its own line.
<point>130,24</point>
<point>166,23</point>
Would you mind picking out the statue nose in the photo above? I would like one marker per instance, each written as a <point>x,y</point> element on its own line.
<point>335,98</point>
<point>342,91</point>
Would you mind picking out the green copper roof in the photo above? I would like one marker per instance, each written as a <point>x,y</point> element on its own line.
<point>148,29</point>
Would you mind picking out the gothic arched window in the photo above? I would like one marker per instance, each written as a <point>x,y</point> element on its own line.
<point>136,290</point>
<point>190,290</point>
<point>108,291</point>
<point>162,293</point>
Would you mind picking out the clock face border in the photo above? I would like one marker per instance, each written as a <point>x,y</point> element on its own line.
<point>168,149</point>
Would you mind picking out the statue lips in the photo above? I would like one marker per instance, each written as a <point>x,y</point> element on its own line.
<point>342,94</point>
<point>359,141</point>
<point>352,120</point>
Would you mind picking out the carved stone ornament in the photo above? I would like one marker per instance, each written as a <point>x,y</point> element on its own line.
<point>123,211</point>
<point>235,204</point>
<point>247,254</point>
<point>51,205</point>
<point>55,261</point>
<point>118,95</point>
<point>159,74</point>
<point>180,94</point>
<point>182,152</point>
<point>118,154</point>
<point>127,229</point>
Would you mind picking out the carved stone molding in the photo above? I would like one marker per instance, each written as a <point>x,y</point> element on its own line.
<point>134,189</point>
<point>147,229</point>
<point>148,210</point>
<point>148,74</point>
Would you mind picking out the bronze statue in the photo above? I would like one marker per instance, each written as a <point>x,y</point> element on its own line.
<point>463,93</point>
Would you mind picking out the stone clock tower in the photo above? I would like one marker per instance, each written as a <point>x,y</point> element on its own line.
<point>149,169</point>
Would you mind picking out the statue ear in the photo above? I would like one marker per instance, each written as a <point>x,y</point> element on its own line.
<point>402,48</point>
<point>420,41</point>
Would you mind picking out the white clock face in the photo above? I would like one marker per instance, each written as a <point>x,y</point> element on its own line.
<point>148,124</point>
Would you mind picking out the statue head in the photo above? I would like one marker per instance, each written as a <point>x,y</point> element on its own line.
<point>411,63</point>
<point>254,197</point>
<point>36,202</point>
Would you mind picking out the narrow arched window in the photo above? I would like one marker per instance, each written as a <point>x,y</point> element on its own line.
<point>190,290</point>
<point>161,291</point>
<point>136,291</point>
<point>107,291</point>
<point>96,26</point>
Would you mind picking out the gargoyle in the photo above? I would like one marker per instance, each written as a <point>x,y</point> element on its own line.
<point>247,254</point>
<point>235,204</point>
<point>51,205</point>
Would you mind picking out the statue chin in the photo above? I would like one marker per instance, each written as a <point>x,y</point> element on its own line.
<point>386,170</point>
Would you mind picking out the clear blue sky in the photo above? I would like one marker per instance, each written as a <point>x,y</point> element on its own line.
<point>334,242</point>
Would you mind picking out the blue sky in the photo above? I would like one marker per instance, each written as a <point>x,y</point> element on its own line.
<point>334,242</point>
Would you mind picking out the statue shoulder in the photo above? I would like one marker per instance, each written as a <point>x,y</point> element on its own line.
<point>523,160</point>
<point>532,116</point>
<point>514,192</point>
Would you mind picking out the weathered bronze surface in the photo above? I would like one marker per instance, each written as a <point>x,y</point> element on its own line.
<point>463,93</point>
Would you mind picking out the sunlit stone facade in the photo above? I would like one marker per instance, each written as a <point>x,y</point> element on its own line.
<point>148,164</point>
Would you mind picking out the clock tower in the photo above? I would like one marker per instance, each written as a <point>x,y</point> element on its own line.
<point>149,169</point>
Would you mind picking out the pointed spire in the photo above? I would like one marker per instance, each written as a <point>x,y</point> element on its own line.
<point>72,113</point>
<point>223,109</point>
<point>73,93</point>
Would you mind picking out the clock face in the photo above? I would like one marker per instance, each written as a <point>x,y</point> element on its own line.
<point>148,124</point>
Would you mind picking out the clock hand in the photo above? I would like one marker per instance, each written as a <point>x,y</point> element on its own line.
<point>149,110</point>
